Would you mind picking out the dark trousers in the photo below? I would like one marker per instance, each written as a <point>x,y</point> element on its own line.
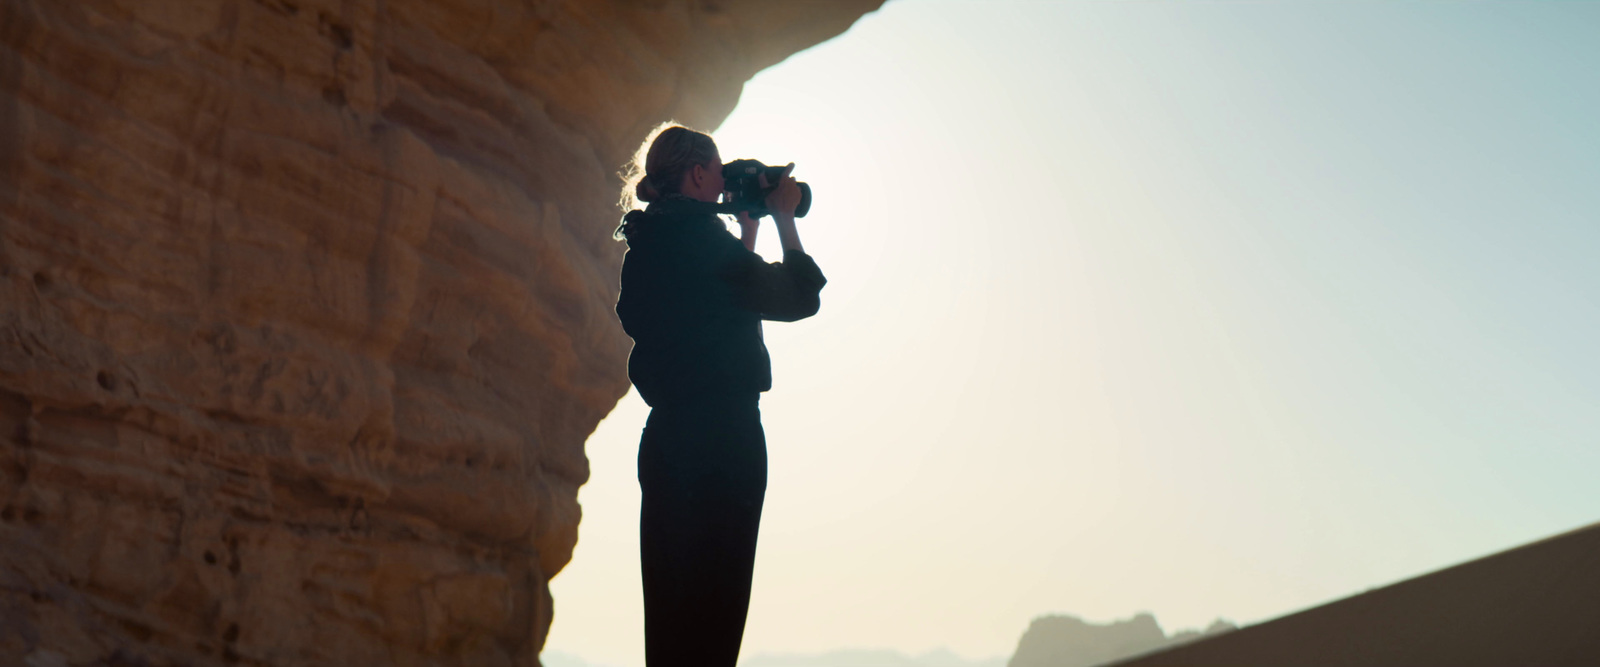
<point>703,473</point>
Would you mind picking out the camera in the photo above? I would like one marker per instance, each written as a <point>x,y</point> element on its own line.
<point>743,181</point>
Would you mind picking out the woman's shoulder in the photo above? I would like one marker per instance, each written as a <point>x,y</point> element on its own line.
<point>681,219</point>
<point>696,239</point>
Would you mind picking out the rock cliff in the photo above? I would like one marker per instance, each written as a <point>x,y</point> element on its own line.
<point>305,311</point>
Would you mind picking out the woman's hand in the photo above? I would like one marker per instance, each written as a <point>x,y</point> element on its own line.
<point>782,202</point>
<point>783,199</point>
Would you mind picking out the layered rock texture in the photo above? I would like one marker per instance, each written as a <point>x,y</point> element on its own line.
<point>306,311</point>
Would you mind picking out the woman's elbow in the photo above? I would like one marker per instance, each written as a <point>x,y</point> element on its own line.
<point>799,310</point>
<point>811,306</point>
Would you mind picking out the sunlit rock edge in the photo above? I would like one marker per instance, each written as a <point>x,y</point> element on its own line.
<point>305,311</point>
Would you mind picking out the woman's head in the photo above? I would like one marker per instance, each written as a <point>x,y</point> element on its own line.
<point>673,160</point>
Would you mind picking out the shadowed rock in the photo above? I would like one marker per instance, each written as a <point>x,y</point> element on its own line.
<point>305,311</point>
<point>1538,604</point>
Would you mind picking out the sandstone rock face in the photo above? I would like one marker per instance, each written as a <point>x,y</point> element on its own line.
<point>306,311</point>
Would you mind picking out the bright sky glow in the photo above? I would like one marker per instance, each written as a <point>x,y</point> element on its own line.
<point>1202,309</point>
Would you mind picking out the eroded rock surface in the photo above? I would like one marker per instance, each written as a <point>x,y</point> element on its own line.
<point>305,311</point>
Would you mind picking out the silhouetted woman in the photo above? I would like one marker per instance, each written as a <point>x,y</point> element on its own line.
<point>693,298</point>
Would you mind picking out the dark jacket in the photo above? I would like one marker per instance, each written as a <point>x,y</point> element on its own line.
<point>693,298</point>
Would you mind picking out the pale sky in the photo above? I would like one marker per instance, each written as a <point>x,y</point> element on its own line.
<point>1197,308</point>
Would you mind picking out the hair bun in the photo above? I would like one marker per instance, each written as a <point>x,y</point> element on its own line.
<point>644,191</point>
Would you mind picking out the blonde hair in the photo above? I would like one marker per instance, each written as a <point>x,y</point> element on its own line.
<point>657,168</point>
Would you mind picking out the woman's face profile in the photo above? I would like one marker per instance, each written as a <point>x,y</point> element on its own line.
<point>705,181</point>
<point>717,182</point>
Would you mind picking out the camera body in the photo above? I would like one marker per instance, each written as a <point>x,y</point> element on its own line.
<point>743,181</point>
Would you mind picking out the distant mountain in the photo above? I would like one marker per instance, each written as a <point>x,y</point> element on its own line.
<point>559,659</point>
<point>1068,641</point>
<point>1050,641</point>
<point>842,658</point>
<point>869,658</point>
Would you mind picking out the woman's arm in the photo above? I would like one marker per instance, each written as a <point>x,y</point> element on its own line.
<point>788,234</point>
<point>747,231</point>
<point>782,201</point>
<point>784,291</point>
